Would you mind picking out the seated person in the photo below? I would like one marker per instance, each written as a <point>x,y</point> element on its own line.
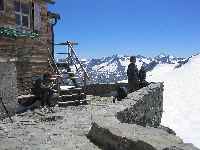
<point>121,93</point>
<point>42,89</point>
<point>142,77</point>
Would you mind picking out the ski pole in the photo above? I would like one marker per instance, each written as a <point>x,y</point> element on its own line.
<point>8,115</point>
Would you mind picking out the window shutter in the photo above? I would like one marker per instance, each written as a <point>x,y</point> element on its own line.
<point>37,16</point>
<point>1,5</point>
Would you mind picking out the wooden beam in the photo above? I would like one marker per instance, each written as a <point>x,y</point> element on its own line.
<point>53,15</point>
<point>50,1</point>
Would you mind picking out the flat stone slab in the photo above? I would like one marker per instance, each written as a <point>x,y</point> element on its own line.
<point>129,136</point>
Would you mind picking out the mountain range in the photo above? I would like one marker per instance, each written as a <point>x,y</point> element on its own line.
<point>113,68</point>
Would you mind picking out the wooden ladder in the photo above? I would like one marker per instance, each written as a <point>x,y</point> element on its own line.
<point>75,95</point>
<point>73,59</point>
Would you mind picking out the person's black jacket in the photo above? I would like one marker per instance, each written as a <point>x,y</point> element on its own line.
<point>132,72</point>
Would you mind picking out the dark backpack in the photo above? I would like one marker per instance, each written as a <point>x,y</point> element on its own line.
<point>121,93</point>
<point>142,74</point>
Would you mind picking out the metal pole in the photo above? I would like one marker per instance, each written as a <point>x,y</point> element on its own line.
<point>69,56</point>
<point>85,81</point>
<point>8,115</point>
<point>52,46</point>
<point>53,37</point>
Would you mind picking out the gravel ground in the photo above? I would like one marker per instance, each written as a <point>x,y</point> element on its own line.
<point>59,129</point>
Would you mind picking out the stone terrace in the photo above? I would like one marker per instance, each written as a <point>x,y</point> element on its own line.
<point>78,128</point>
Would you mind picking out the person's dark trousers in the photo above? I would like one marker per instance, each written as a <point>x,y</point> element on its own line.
<point>46,96</point>
<point>132,86</point>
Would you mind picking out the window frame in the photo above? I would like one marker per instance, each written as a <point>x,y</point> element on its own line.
<point>2,10</point>
<point>21,14</point>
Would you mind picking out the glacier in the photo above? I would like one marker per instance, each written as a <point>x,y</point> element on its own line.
<point>181,97</point>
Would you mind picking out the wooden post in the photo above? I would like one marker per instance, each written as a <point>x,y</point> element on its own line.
<point>85,81</point>
<point>68,59</point>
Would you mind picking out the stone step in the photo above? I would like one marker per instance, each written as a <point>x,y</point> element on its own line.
<point>77,90</point>
<point>70,73</point>
<point>65,104</point>
<point>73,77</point>
<point>56,76</point>
<point>83,102</point>
<point>76,97</point>
<point>65,98</point>
<point>72,103</point>
<point>65,92</point>
<point>66,87</point>
<point>71,91</point>
<point>79,96</point>
<point>73,97</point>
<point>62,65</point>
<point>83,95</point>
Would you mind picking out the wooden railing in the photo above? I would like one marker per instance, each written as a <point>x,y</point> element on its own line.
<point>52,63</point>
<point>74,59</point>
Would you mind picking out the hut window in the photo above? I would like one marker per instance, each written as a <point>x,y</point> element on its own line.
<point>1,5</point>
<point>22,14</point>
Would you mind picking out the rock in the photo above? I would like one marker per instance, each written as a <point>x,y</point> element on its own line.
<point>108,133</point>
<point>109,141</point>
<point>144,107</point>
<point>167,129</point>
<point>182,147</point>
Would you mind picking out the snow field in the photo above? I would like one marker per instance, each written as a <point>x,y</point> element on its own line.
<point>181,98</point>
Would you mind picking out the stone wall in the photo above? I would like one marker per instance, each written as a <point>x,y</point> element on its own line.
<point>103,89</point>
<point>146,104</point>
<point>147,109</point>
<point>8,87</point>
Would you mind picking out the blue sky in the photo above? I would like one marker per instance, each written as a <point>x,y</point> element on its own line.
<point>128,27</point>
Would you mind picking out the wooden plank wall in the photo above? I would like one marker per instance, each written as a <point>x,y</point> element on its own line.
<point>30,55</point>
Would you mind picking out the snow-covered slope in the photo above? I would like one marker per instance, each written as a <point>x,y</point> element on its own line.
<point>181,97</point>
